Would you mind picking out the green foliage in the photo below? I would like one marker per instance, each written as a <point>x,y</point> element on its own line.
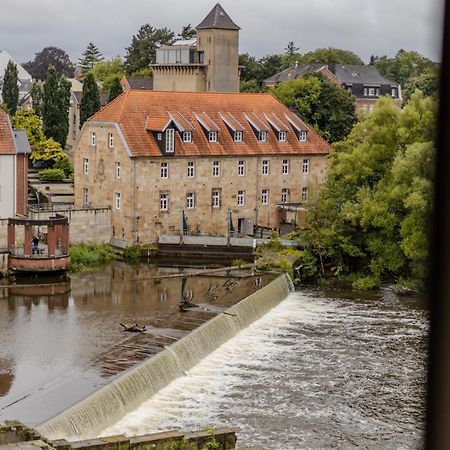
<point>50,56</point>
<point>90,102</point>
<point>115,89</point>
<point>55,107</point>
<point>84,256</point>
<point>274,243</point>
<point>142,51</point>
<point>212,443</point>
<point>65,165</point>
<point>132,253</point>
<point>90,57</point>
<point>48,150</point>
<point>250,86</point>
<point>10,88</point>
<point>36,98</point>
<point>238,262</point>
<point>291,49</point>
<point>51,175</point>
<point>29,121</point>
<point>187,32</point>
<point>326,107</point>
<point>179,444</point>
<point>371,217</point>
<point>107,71</point>
<point>331,55</point>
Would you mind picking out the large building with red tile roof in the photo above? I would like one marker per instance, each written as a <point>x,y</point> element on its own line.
<point>150,154</point>
<point>14,151</point>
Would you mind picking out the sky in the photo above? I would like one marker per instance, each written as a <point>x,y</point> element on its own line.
<point>366,27</point>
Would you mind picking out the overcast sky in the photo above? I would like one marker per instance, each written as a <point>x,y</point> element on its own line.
<point>366,27</point>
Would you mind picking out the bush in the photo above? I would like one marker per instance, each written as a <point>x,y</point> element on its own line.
<point>51,175</point>
<point>65,165</point>
<point>132,253</point>
<point>83,256</point>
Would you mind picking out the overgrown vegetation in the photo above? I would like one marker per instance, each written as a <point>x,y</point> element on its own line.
<point>87,256</point>
<point>51,175</point>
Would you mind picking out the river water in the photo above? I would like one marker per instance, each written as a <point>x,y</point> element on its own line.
<point>322,370</point>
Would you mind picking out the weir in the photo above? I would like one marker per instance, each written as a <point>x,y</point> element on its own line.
<point>103,408</point>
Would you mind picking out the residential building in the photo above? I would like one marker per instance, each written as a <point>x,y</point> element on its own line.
<point>153,156</point>
<point>14,151</point>
<point>208,62</point>
<point>362,81</point>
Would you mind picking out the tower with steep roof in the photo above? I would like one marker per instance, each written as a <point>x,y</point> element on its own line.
<point>208,63</point>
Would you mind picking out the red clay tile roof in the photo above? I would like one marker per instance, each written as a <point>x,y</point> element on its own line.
<point>157,123</point>
<point>132,108</point>
<point>6,135</point>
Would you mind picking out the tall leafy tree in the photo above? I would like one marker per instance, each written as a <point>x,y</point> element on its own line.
<point>10,89</point>
<point>36,97</point>
<point>50,56</point>
<point>142,51</point>
<point>55,107</point>
<point>333,55</point>
<point>187,32</point>
<point>90,102</point>
<point>29,121</point>
<point>370,222</point>
<point>323,105</point>
<point>90,57</point>
<point>291,49</point>
<point>106,71</point>
<point>115,90</point>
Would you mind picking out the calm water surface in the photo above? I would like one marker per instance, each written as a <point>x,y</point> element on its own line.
<point>322,370</point>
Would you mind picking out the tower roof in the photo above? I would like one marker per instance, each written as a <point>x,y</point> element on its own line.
<point>217,18</point>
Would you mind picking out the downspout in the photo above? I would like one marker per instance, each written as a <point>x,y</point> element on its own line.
<point>134,226</point>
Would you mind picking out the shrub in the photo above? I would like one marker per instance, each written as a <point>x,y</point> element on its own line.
<point>51,175</point>
<point>83,256</point>
<point>65,165</point>
<point>132,253</point>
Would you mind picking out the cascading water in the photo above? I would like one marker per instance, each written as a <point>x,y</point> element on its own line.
<point>106,406</point>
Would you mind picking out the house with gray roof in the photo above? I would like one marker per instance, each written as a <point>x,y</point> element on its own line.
<point>364,82</point>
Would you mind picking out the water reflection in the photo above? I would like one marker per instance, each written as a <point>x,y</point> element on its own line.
<point>61,341</point>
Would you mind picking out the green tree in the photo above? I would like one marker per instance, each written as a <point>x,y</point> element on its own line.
<point>106,71</point>
<point>370,220</point>
<point>331,55</point>
<point>90,101</point>
<point>142,51</point>
<point>90,57</point>
<point>28,120</point>
<point>48,150</point>
<point>115,90</point>
<point>10,88</point>
<point>187,32</point>
<point>291,49</point>
<point>326,107</point>
<point>55,107</point>
<point>36,97</point>
<point>50,56</point>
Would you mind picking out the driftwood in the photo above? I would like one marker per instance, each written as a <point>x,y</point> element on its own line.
<point>133,328</point>
<point>403,290</point>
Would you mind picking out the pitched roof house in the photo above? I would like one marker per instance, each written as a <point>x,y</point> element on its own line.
<point>150,154</point>
<point>362,81</point>
<point>14,151</point>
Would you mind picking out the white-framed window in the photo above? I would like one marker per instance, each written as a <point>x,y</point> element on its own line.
<point>265,196</point>
<point>110,140</point>
<point>164,201</point>
<point>241,198</point>
<point>117,200</point>
<point>215,202</point>
<point>305,193</point>
<point>85,166</point>
<point>93,138</point>
<point>190,200</point>
<point>285,167</point>
<point>170,140</point>
<point>302,136</point>
<point>284,195</point>
<point>265,167</point>
<point>238,136</point>
<point>159,136</point>
<point>187,136</point>
<point>216,168</point>
<point>305,166</point>
<point>164,171</point>
<point>118,170</point>
<point>282,136</point>
<point>262,136</point>
<point>393,92</point>
<point>241,168</point>
<point>370,91</point>
<point>85,197</point>
<point>212,136</point>
<point>191,169</point>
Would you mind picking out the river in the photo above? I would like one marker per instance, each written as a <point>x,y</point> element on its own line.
<point>321,370</point>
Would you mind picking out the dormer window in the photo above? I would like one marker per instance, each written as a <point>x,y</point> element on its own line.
<point>262,136</point>
<point>238,136</point>
<point>187,136</point>
<point>302,136</point>
<point>282,136</point>
<point>170,140</point>
<point>212,136</point>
